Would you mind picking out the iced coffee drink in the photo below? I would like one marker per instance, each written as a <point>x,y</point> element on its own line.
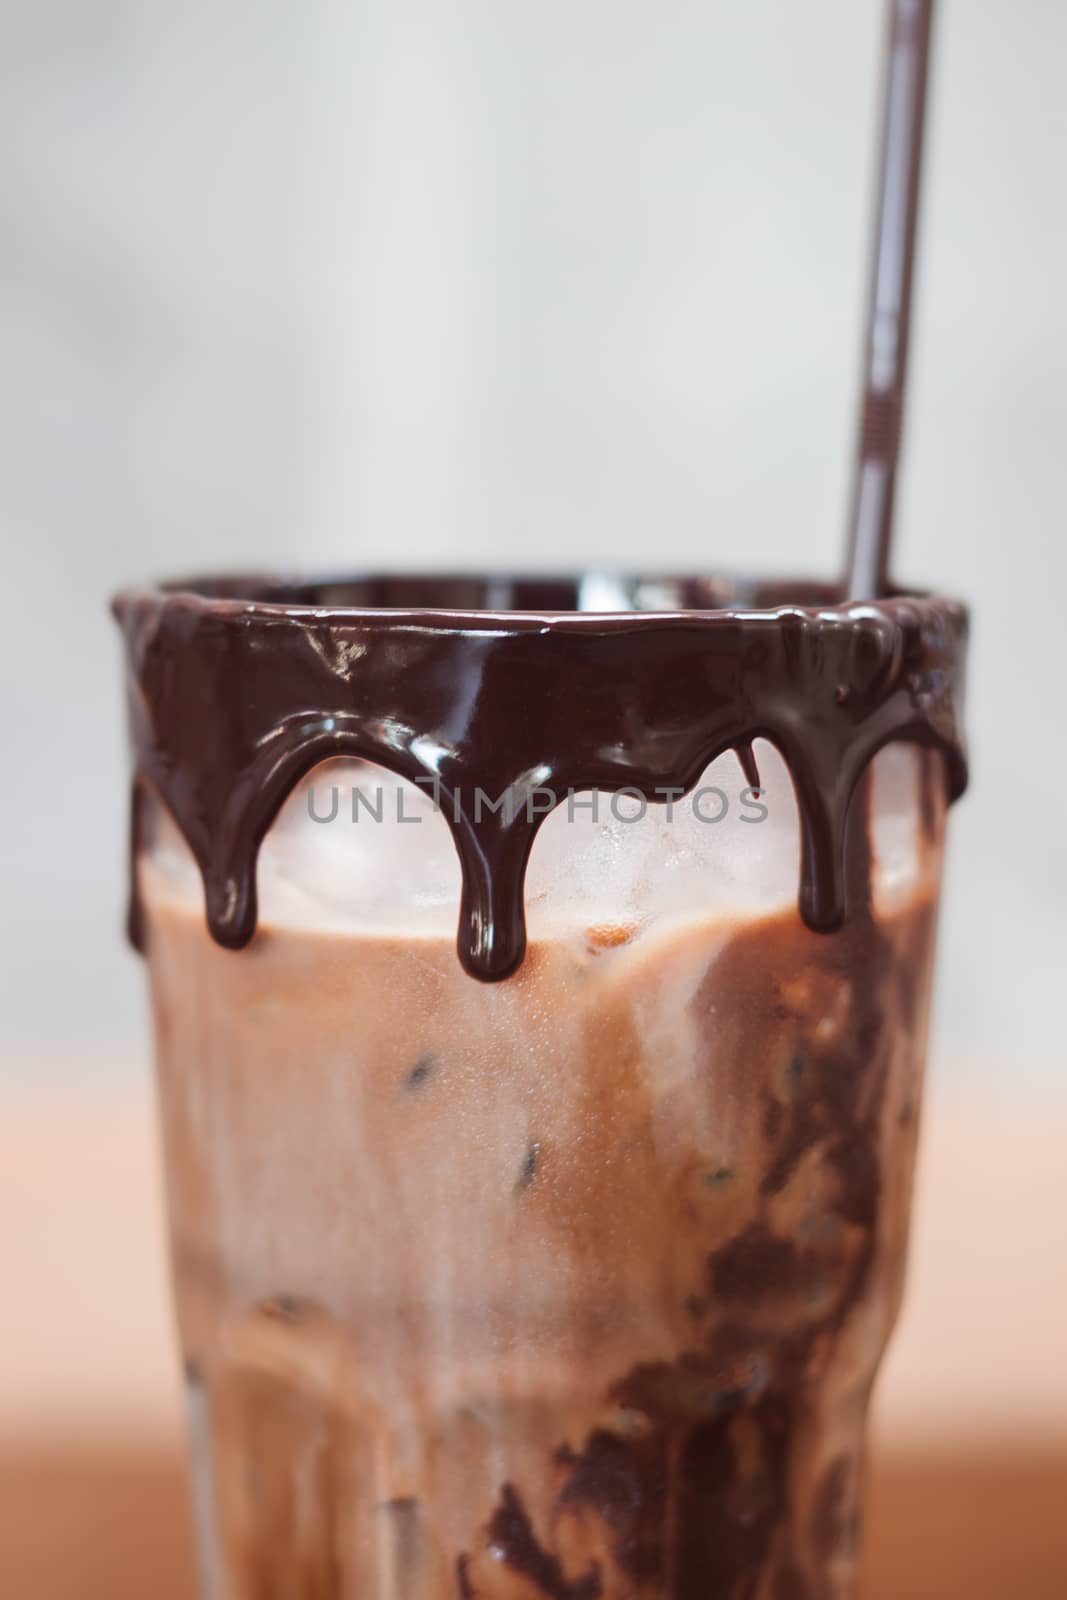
<point>553,1261</point>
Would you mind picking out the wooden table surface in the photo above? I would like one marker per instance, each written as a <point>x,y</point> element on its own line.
<point>968,1496</point>
<point>103,1522</point>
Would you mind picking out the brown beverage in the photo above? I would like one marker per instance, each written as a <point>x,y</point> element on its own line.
<point>570,1285</point>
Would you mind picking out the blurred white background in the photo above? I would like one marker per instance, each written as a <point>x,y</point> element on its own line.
<point>481,281</point>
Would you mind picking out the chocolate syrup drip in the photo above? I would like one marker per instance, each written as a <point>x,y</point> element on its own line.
<point>746,757</point>
<point>238,687</point>
<point>512,1539</point>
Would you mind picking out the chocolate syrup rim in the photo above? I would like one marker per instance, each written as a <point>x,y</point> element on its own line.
<point>543,696</point>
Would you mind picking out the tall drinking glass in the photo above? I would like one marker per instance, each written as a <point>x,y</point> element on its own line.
<point>558,1266</point>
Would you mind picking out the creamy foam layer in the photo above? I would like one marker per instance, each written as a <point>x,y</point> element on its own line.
<point>356,847</point>
<point>513,1290</point>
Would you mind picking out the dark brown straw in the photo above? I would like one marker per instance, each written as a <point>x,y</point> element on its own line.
<point>889,315</point>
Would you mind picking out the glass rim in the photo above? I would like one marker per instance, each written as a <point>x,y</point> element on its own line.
<point>466,600</point>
